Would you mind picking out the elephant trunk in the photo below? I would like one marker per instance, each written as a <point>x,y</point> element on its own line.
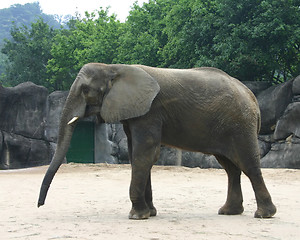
<point>66,128</point>
<point>56,162</point>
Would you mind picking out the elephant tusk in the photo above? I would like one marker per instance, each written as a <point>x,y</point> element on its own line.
<point>74,119</point>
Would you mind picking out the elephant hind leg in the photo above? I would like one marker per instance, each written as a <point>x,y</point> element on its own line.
<point>234,202</point>
<point>265,206</point>
<point>248,160</point>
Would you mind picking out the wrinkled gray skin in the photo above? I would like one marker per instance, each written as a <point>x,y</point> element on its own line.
<point>203,110</point>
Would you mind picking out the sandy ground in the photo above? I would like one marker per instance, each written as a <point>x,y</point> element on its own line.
<point>91,202</point>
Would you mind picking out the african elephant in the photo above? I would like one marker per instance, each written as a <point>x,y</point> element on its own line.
<point>202,110</point>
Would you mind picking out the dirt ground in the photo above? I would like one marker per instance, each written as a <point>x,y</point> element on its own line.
<point>90,202</point>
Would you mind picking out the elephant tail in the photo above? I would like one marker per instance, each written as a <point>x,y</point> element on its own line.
<point>258,121</point>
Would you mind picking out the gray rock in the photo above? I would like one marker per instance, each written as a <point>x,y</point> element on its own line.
<point>55,104</point>
<point>296,98</point>
<point>114,150</point>
<point>23,110</point>
<point>169,157</point>
<point>257,87</point>
<point>118,138</point>
<point>289,123</point>
<point>296,86</point>
<point>283,155</point>
<point>21,152</point>
<point>41,153</point>
<point>116,133</point>
<point>192,159</point>
<point>266,138</point>
<point>272,103</point>
<point>264,147</point>
<point>123,151</point>
<point>103,147</point>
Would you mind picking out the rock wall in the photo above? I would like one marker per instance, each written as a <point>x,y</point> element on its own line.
<point>22,126</point>
<point>281,125</point>
<point>29,119</point>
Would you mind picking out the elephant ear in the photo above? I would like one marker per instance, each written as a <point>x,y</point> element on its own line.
<point>131,94</point>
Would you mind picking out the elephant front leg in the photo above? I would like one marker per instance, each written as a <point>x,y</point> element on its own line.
<point>149,199</point>
<point>140,209</point>
<point>145,152</point>
<point>140,188</point>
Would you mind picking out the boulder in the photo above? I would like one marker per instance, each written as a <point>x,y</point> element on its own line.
<point>23,110</point>
<point>272,103</point>
<point>257,87</point>
<point>21,152</point>
<point>118,139</point>
<point>296,86</point>
<point>283,155</point>
<point>23,113</point>
<point>123,151</point>
<point>177,157</point>
<point>170,157</point>
<point>289,123</point>
<point>104,149</point>
<point>264,147</point>
<point>116,132</point>
<point>196,159</point>
<point>55,104</point>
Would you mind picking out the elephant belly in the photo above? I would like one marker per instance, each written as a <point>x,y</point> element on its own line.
<point>192,139</point>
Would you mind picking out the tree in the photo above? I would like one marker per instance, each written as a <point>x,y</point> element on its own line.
<point>258,40</point>
<point>250,39</point>
<point>28,53</point>
<point>20,15</point>
<point>143,37</point>
<point>91,39</point>
<point>190,30</point>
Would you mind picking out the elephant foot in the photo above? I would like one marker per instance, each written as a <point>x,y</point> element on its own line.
<point>266,212</point>
<point>153,212</point>
<point>139,215</point>
<point>231,210</point>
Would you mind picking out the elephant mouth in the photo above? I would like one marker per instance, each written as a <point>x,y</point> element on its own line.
<point>92,110</point>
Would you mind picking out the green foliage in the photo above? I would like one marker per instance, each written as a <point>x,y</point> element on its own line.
<point>28,53</point>
<point>18,16</point>
<point>91,39</point>
<point>252,40</point>
<point>258,40</point>
<point>143,37</point>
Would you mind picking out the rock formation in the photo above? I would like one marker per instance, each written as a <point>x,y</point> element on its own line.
<point>22,126</point>
<point>281,121</point>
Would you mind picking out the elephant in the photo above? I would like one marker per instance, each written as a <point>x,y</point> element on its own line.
<point>200,110</point>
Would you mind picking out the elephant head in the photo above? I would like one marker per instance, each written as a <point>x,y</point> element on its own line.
<point>112,92</point>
